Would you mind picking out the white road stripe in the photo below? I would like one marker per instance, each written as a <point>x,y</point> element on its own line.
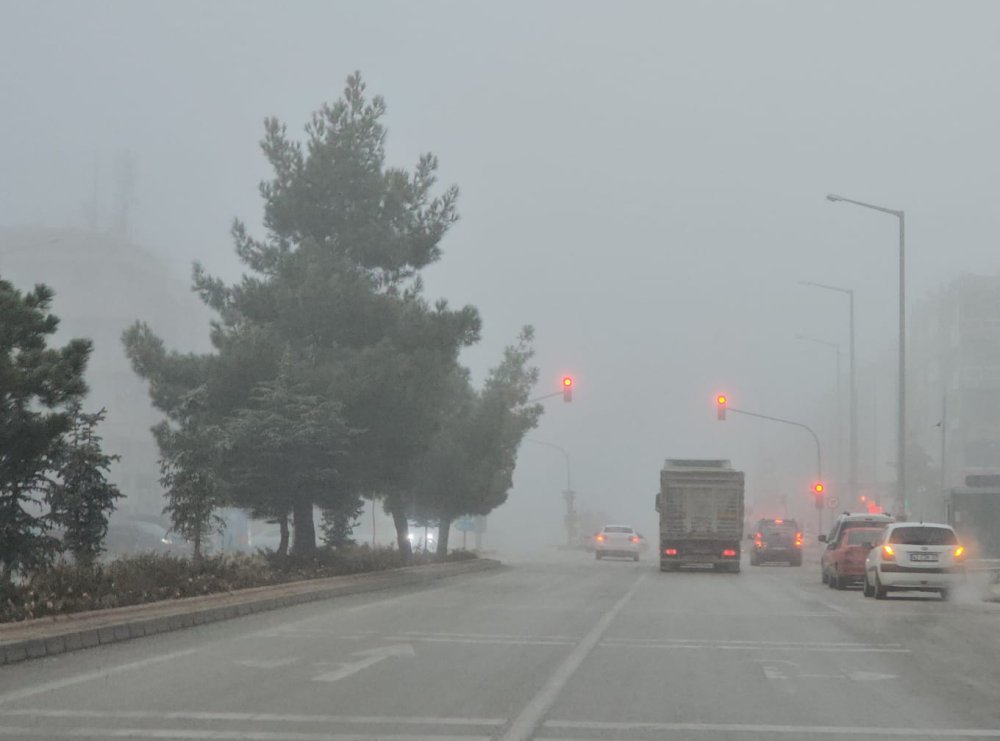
<point>484,641</point>
<point>489,635</point>
<point>831,644</point>
<point>524,725</point>
<point>738,647</point>
<point>249,717</point>
<point>210,735</point>
<point>769,728</point>
<point>58,684</point>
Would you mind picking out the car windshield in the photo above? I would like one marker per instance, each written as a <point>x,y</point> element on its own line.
<point>347,323</point>
<point>923,536</point>
<point>862,536</point>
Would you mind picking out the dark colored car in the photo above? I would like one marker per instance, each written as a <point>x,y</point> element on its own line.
<point>776,540</point>
<point>846,557</point>
<point>847,521</point>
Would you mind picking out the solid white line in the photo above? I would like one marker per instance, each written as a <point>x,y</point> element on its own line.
<point>210,735</point>
<point>830,644</point>
<point>489,635</point>
<point>524,725</point>
<point>497,641</point>
<point>723,647</point>
<point>761,728</point>
<point>58,684</point>
<point>249,717</point>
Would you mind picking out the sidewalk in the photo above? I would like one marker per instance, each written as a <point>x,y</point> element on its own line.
<point>55,635</point>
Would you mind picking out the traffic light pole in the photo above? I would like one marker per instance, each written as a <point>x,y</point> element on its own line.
<point>815,437</point>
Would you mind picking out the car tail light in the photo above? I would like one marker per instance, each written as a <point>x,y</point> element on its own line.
<point>599,538</point>
<point>729,553</point>
<point>888,554</point>
<point>669,551</point>
<point>798,539</point>
<point>634,539</point>
<point>960,553</point>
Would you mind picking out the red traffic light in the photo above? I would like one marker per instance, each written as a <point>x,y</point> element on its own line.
<point>720,403</point>
<point>567,384</point>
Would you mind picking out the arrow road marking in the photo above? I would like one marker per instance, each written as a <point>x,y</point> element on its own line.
<point>369,658</point>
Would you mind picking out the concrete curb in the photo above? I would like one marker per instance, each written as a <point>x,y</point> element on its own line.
<point>49,637</point>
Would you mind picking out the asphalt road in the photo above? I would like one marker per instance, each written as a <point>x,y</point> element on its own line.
<point>558,647</point>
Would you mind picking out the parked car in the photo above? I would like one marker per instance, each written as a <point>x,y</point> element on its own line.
<point>619,541</point>
<point>847,521</point>
<point>776,539</point>
<point>914,556</point>
<point>846,556</point>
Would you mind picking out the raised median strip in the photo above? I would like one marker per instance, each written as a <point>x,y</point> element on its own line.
<point>55,635</point>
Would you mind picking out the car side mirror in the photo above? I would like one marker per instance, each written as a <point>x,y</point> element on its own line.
<point>821,538</point>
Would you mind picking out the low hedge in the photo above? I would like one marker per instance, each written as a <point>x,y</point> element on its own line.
<point>150,577</point>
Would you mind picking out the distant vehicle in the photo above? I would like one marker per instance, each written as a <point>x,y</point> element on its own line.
<point>846,521</point>
<point>619,541</point>
<point>974,512</point>
<point>914,556</point>
<point>776,540</point>
<point>701,514</point>
<point>846,556</point>
<point>132,536</point>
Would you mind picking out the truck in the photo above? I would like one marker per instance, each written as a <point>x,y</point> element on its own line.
<point>974,511</point>
<point>700,503</point>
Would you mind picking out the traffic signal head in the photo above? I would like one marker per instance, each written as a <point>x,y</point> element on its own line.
<point>720,405</point>
<point>567,386</point>
<point>818,497</point>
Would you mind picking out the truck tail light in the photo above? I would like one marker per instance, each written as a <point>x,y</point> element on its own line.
<point>798,540</point>
<point>729,553</point>
<point>669,551</point>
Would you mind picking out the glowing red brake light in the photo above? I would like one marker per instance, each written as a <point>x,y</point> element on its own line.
<point>669,551</point>
<point>634,538</point>
<point>888,554</point>
<point>599,538</point>
<point>729,553</point>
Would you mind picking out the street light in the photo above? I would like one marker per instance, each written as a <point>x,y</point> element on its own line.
<point>836,347</point>
<point>853,413</point>
<point>901,421</point>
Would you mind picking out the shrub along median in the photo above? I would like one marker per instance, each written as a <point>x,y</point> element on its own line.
<point>134,580</point>
<point>57,634</point>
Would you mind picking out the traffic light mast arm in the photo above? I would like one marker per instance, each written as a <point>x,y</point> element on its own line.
<point>542,398</point>
<point>819,457</point>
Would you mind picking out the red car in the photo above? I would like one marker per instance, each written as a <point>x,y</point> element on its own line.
<point>844,560</point>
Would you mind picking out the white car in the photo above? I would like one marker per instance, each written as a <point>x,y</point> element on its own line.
<point>914,556</point>
<point>617,540</point>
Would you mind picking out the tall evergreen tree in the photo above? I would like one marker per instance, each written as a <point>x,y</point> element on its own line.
<point>38,385</point>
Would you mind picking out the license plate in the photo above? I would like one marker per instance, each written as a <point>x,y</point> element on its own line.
<point>923,557</point>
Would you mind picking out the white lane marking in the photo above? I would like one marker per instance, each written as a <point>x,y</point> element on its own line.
<point>249,717</point>
<point>209,735</point>
<point>369,658</point>
<point>266,663</point>
<point>58,684</point>
<point>485,641</point>
<point>422,634</point>
<point>761,728</point>
<point>750,647</point>
<point>530,718</point>
<point>727,641</point>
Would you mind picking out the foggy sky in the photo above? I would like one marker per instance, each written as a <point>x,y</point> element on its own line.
<point>643,182</point>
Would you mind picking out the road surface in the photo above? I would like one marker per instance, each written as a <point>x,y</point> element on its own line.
<point>562,647</point>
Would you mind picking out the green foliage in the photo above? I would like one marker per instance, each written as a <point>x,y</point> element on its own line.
<point>132,580</point>
<point>37,386</point>
<point>190,452</point>
<point>82,498</point>
<point>469,466</point>
<point>339,522</point>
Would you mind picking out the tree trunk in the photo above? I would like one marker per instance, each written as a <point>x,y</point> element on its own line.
<point>304,542</point>
<point>444,529</point>
<point>283,529</point>
<point>197,545</point>
<point>402,526</point>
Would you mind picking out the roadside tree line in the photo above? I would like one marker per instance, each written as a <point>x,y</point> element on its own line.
<point>332,378</point>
